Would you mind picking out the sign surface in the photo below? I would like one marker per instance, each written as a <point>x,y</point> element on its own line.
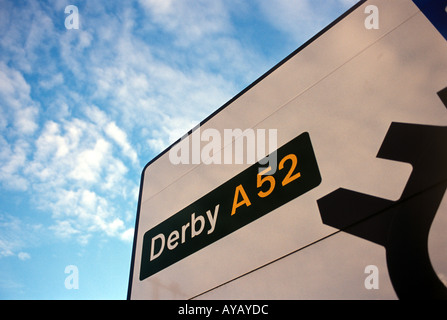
<point>237,202</point>
<point>354,206</point>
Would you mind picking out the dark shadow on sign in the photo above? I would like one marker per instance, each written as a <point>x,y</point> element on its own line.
<point>401,226</point>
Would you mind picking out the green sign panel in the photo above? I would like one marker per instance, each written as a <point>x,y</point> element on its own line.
<point>246,197</point>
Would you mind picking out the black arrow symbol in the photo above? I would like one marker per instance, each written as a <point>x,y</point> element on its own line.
<point>401,226</point>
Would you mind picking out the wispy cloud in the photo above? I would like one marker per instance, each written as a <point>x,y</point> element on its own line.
<point>17,123</point>
<point>16,235</point>
<point>189,21</point>
<point>23,256</point>
<point>120,137</point>
<point>18,109</point>
<point>83,110</point>
<point>78,171</point>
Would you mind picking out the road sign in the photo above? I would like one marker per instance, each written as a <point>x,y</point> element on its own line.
<point>349,199</point>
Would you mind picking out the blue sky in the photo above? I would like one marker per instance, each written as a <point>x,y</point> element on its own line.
<point>83,110</point>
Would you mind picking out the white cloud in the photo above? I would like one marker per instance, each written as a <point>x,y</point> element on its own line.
<point>121,94</point>
<point>127,235</point>
<point>149,92</point>
<point>16,105</point>
<point>82,213</point>
<point>157,144</point>
<point>89,162</point>
<point>120,137</point>
<point>12,160</point>
<point>25,119</point>
<point>15,235</point>
<point>28,34</point>
<point>77,168</point>
<point>115,170</point>
<point>96,115</point>
<point>78,175</point>
<point>173,129</point>
<point>18,122</point>
<point>158,6</point>
<point>23,256</point>
<point>189,21</point>
<point>52,82</point>
<point>64,229</point>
